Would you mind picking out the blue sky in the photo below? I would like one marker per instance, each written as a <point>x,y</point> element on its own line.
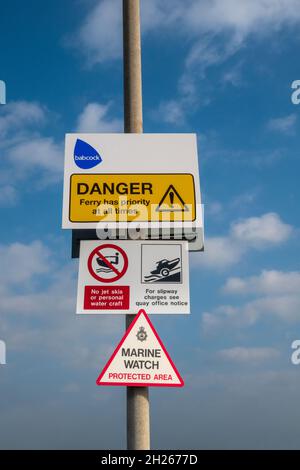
<point>224,70</point>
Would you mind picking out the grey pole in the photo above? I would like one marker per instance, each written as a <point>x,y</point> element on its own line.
<point>138,420</point>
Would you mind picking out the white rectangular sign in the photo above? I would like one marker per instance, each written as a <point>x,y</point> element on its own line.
<point>123,277</point>
<point>112,180</point>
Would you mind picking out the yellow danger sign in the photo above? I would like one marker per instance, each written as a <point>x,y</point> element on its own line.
<point>132,197</point>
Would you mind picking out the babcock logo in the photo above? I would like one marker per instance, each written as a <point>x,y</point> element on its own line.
<point>85,156</point>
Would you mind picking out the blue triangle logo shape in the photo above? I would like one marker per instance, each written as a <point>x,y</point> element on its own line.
<point>85,156</point>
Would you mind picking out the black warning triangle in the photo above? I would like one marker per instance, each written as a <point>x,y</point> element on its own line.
<point>172,202</point>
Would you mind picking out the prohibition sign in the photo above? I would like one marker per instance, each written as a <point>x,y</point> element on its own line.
<point>98,253</point>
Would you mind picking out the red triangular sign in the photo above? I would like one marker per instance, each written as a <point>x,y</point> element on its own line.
<point>140,359</point>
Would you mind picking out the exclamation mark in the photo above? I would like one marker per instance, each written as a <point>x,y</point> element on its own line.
<point>172,198</point>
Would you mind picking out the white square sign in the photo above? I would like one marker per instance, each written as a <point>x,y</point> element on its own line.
<point>123,277</point>
<point>114,180</point>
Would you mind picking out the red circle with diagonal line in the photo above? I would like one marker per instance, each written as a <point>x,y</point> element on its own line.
<point>107,265</point>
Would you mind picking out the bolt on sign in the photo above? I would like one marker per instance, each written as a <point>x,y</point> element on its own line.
<point>140,359</point>
<point>123,277</point>
<point>115,179</point>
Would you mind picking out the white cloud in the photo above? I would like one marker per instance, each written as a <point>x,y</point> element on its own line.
<point>234,21</point>
<point>94,118</point>
<point>220,253</point>
<point>285,308</point>
<point>100,36</point>
<point>207,52</point>
<point>101,32</point>
<point>242,16</point>
<point>213,29</point>
<point>20,262</point>
<point>36,155</point>
<point>8,195</point>
<point>25,152</point>
<point>234,75</point>
<point>285,125</point>
<point>262,231</point>
<point>16,115</point>
<point>171,112</point>
<point>245,198</point>
<point>37,308</point>
<point>219,210</point>
<point>275,294</point>
<point>248,355</point>
<point>28,155</point>
<point>38,299</point>
<point>252,233</point>
<point>218,30</point>
<point>211,149</point>
<point>214,208</point>
<point>268,282</point>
